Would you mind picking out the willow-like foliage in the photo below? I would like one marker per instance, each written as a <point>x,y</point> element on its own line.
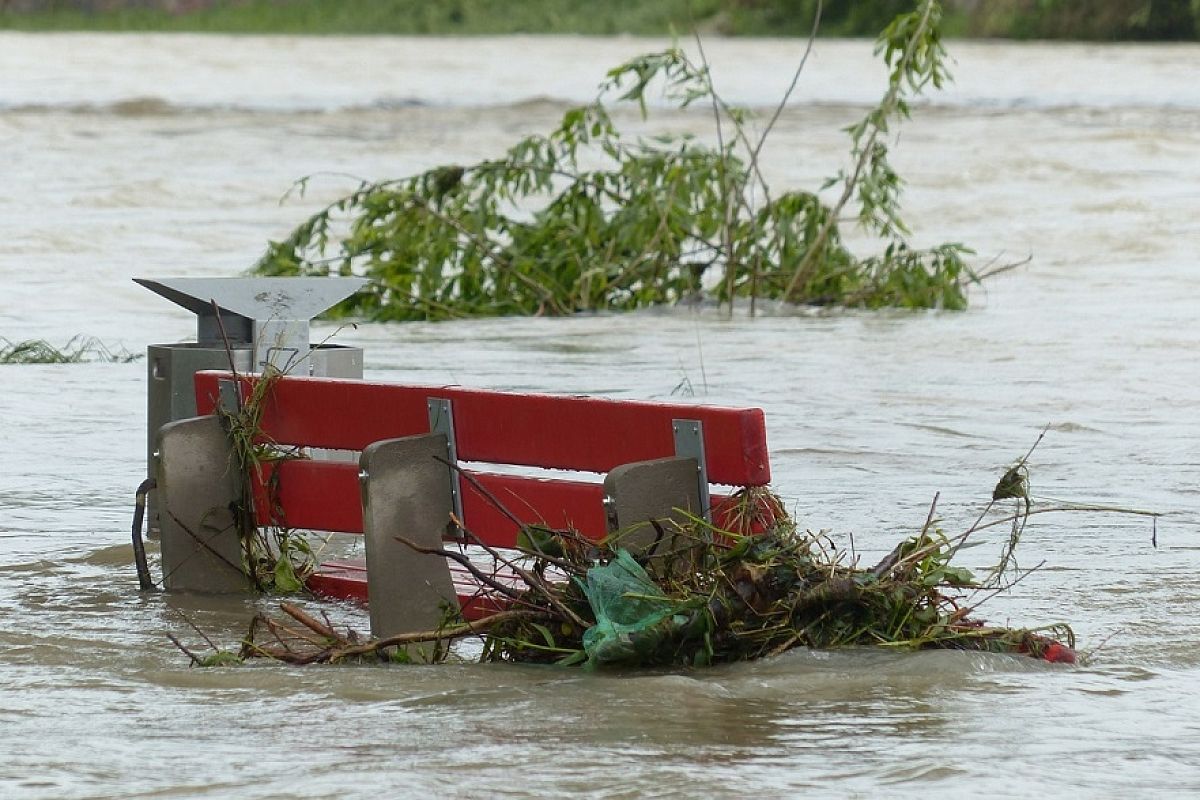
<point>589,218</point>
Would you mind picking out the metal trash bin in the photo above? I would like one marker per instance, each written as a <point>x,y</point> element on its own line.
<point>262,321</point>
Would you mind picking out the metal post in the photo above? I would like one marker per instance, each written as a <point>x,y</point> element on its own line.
<point>689,443</point>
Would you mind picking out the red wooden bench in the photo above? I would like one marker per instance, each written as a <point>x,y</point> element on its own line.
<point>724,446</point>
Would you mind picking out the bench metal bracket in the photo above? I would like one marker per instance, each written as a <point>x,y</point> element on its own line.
<point>441,420</point>
<point>230,399</point>
<point>689,443</point>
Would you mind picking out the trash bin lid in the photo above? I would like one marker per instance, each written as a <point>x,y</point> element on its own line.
<point>260,299</point>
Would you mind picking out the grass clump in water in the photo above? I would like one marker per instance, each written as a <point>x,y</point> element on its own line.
<point>78,350</point>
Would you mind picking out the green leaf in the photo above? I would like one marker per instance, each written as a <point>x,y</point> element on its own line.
<point>547,636</point>
<point>958,576</point>
<point>575,658</point>
<point>286,581</point>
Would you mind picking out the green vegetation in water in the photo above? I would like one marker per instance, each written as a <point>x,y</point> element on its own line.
<point>1024,19</point>
<point>1138,20</point>
<point>696,596</point>
<point>680,592</point>
<point>462,17</point>
<point>588,218</point>
<point>408,17</point>
<point>275,558</point>
<point>78,350</point>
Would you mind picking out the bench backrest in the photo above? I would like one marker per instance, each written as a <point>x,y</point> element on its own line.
<point>582,434</point>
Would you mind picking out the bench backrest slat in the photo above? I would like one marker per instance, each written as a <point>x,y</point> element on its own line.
<point>550,431</point>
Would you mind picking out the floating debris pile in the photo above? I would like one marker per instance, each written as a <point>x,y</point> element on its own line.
<point>700,596</point>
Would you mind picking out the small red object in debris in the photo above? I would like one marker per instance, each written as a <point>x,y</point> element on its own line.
<point>1056,653</point>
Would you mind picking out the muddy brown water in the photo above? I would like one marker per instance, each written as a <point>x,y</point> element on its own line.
<point>160,156</point>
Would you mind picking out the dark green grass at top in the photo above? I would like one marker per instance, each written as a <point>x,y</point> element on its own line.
<point>477,17</point>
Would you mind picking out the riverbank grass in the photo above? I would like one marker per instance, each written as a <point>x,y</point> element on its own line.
<point>472,17</point>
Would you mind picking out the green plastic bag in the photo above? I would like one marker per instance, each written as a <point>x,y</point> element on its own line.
<point>625,602</point>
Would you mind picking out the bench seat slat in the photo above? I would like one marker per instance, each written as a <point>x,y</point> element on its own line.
<point>586,434</point>
<point>324,496</point>
<point>347,580</point>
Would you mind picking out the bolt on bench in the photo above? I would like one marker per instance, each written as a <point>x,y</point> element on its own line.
<point>655,458</point>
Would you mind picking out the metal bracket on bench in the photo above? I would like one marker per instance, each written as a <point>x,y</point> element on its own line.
<point>229,398</point>
<point>441,420</point>
<point>689,443</point>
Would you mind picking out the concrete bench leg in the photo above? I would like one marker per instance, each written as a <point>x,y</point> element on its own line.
<point>637,493</point>
<point>198,488</point>
<point>406,493</point>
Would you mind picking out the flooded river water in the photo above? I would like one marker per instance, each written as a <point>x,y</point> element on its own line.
<point>162,156</point>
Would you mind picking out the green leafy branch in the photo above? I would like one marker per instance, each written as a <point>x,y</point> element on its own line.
<point>589,218</point>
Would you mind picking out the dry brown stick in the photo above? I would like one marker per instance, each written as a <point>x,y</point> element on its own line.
<point>932,511</point>
<point>532,581</point>
<point>495,501</point>
<point>1007,520</point>
<point>934,544</point>
<point>289,656</point>
<point>893,559</point>
<point>199,632</point>
<point>785,646</point>
<point>225,338</point>
<point>994,271</point>
<point>561,563</point>
<point>270,625</point>
<point>367,648</point>
<point>211,550</point>
<point>252,648</point>
<point>465,629</point>
<point>998,590</point>
<point>184,650</point>
<point>295,633</point>
<point>962,537</point>
<point>329,623</point>
<point>462,559</point>
<point>298,614</point>
<point>483,491</point>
